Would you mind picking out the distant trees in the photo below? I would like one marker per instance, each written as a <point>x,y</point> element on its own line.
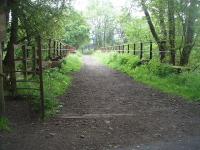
<point>77,31</point>
<point>134,28</point>
<point>102,19</point>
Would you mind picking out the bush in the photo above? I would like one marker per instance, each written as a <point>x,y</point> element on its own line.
<point>159,69</point>
<point>4,124</point>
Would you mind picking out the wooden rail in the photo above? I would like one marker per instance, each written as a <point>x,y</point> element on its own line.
<point>145,50</point>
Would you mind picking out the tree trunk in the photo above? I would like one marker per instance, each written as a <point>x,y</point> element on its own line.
<point>161,44</point>
<point>162,23</point>
<point>190,32</point>
<point>9,63</point>
<point>172,30</point>
<point>2,37</point>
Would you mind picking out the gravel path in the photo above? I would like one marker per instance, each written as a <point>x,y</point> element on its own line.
<point>107,110</point>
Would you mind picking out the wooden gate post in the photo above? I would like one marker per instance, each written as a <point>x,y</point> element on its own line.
<point>151,49</point>
<point>39,52</point>
<point>134,49</point>
<point>141,50</point>
<point>128,47</point>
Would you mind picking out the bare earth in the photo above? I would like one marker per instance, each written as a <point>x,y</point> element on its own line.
<point>107,110</point>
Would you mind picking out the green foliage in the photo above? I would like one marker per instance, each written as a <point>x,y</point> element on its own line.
<point>56,83</point>
<point>76,29</point>
<point>50,19</point>
<point>4,124</point>
<point>135,29</point>
<point>102,19</point>
<point>156,74</point>
<point>71,64</point>
<point>43,17</point>
<point>159,69</point>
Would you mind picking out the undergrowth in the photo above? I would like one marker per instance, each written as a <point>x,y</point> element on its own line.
<point>56,83</point>
<point>4,124</point>
<point>155,74</point>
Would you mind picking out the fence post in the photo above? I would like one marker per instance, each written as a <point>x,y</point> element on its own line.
<point>34,60</point>
<point>128,47</point>
<point>151,50</point>
<point>119,49</point>
<point>39,51</point>
<point>54,48</point>
<point>57,49</point>
<point>24,50</point>
<point>134,49</point>
<point>60,49</point>
<point>49,50</point>
<point>141,50</point>
<point>123,48</point>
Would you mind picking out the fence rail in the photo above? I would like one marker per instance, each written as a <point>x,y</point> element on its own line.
<point>145,50</point>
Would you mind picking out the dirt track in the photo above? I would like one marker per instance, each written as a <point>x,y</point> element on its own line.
<point>107,110</point>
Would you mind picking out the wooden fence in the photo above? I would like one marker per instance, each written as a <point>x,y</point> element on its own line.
<point>31,62</point>
<point>145,50</point>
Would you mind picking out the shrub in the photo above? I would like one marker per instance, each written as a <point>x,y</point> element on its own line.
<point>159,69</point>
<point>4,124</point>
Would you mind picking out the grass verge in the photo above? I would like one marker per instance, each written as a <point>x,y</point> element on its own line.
<point>155,74</point>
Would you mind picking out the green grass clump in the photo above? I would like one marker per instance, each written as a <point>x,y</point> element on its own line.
<point>56,83</point>
<point>4,124</point>
<point>158,75</point>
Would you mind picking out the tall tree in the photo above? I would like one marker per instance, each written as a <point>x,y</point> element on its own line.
<point>102,19</point>
<point>172,29</point>
<point>9,63</point>
<point>186,12</point>
<point>2,37</point>
<point>161,44</point>
<point>189,33</point>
